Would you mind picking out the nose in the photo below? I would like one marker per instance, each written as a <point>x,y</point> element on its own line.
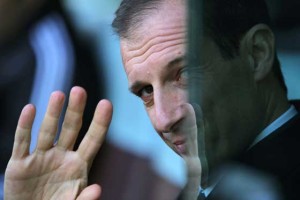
<point>168,111</point>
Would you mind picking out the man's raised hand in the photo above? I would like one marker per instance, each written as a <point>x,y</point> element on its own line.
<point>54,170</point>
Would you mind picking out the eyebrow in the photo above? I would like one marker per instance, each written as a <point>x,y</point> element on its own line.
<point>135,87</point>
<point>138,84</point>
<point>176,61</point>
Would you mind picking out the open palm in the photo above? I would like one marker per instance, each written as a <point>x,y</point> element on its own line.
<point>54,170</point>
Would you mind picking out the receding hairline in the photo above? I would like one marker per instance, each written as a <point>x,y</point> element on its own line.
<point>129,18</point>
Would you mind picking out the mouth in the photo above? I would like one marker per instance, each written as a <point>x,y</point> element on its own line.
<point>177,143</point>
<point>180,147</point>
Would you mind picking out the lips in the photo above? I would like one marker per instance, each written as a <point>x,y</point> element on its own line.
<point>177,142</point>
<point>180,147</point>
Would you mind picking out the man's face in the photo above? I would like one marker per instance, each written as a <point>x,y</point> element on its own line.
<point>154,61</point>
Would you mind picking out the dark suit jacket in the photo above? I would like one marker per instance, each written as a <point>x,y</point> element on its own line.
<point>278,155</point>
<point>271,166</point>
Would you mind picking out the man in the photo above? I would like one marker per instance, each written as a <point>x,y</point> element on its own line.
<point>244,113</point>
<point>240,84</point>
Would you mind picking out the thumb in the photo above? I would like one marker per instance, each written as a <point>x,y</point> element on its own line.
<point>91,192</point>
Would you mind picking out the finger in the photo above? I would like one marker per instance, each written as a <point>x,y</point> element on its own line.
<point>49,125</point>
<point>91,192</point>
<point>23,132</point>
<point>201,140</point>
<point>73,118</point>
<point>97,131</point>
<point>189,126</point>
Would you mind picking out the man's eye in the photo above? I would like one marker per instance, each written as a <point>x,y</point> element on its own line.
<point>183,76</point>
<point>146,93</point>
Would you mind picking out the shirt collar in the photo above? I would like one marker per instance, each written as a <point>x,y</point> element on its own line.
<point>289,114</point>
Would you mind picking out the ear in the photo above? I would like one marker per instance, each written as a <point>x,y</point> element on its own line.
<point>258,45</point>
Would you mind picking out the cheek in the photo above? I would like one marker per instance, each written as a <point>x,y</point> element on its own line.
<point>183,96</point>
<point>170,98</point>
<point>213,89</point>
<point>179,96</point>
<point>211,100</point>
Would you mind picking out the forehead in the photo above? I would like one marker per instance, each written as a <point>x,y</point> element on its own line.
<point>164,14</point>
<point>162,28</point>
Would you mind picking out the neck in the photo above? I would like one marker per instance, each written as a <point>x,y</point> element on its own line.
<point>276,104</point>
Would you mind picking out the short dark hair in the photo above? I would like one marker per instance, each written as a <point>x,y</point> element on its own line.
<point>130,15</point>
<point>225,21</point>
